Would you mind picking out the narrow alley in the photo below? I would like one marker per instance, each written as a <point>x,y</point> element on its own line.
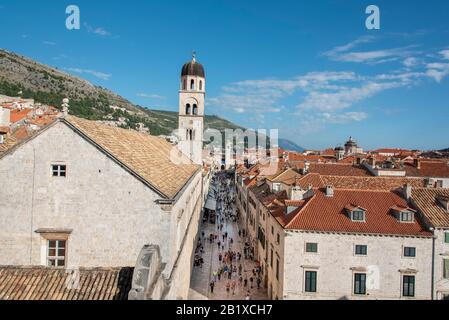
<point>224,267</point>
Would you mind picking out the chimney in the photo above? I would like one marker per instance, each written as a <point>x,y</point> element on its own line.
<point>306,167</point>
<point>329,191</point>
<point>297,193</point>
<point>417,163</point>
<point>372,161</point>
<point>407,191</point>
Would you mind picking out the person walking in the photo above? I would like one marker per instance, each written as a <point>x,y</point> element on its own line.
<point>212,285</point>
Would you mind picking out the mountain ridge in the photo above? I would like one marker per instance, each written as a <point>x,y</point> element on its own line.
<point>49,85</point>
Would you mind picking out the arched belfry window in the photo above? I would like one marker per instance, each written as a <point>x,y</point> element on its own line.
<point>184,84</point>
<point>190,134</point>
<point>195,110</point>
<point>201,85</point>
<point>192,84</point>
<point>188,108</point>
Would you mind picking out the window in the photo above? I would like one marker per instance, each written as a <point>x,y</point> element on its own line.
<point>272,230</point>
<point>278,239</point>
<point>361,250</point>
<point>446,268</point>
<point>192,85</point>
<point>276,187</point>
<point>409,252</point>
<point>271,263</point>
<point>184,85</point>
<point>59,170</point>
<point>312,247</point>
<point>188,108</point>
<point>446,237</point>
<point>406,216</point>
<point>195,109</point>
<point>201,85</point>
<point>56,253</point>
<point>359,283</point>
<point>358,215</point>
<point>408,286</point>
<point>310,285</point>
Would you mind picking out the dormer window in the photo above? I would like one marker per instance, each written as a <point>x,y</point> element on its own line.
<point>404,214</point>
<point>407,216</point>
<point>444,202</point>
<point>358,215</point>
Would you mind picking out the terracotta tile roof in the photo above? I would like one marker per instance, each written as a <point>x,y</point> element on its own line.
<point>333,169</point>
<point>348,160</point>
<point>392,151</point>
<point>18,115</point>
<point>294,156</point>
<point>371,183</point>
<point>146,155</point>
<point>439,169</point>
<point>328,214</point>
<point>310,179</point>
<point>425,199</point>
<point>287,176</point>
<point>38,283</point>
<point>360,183</point>
<point>294,203</point>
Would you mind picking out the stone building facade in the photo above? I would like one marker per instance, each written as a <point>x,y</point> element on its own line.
<point>103,193</point>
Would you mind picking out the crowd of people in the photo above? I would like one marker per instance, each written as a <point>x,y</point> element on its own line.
<point>231,270</point>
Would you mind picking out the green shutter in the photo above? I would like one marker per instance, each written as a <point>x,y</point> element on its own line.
<point>446,268</point>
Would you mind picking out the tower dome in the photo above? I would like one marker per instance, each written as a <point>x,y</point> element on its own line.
<point>193,68</point>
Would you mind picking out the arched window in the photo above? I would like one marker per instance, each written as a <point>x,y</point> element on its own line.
<point>188,108</point>
<point>201,85</point>
<point>192,84</point>
<point>184,84</point>
<point>195,110</point>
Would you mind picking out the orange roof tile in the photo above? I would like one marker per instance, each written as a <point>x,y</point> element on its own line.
<point>334,169</point>
<point>328,214</point>
<point>18,115</point>
<point>426,200</point>
<point>438,169</point>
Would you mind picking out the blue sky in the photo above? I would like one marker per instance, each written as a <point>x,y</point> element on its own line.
<point>308,68</point>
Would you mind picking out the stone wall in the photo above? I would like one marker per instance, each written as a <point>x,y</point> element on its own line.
<point>336,264</point>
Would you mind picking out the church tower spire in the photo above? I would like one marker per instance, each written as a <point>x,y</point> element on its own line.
<point>191,110</point>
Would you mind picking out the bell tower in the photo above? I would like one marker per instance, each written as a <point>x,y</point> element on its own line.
<point>191,110</point>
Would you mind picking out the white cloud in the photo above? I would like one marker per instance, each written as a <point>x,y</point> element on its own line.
<point>150,96</point>
<point>343,99</point>
<point>97,74</point>
<point>410,62</point>
<point>100,31</point>
<point>437,71</point>
<point>445,54</point>
<point>345,53</point>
